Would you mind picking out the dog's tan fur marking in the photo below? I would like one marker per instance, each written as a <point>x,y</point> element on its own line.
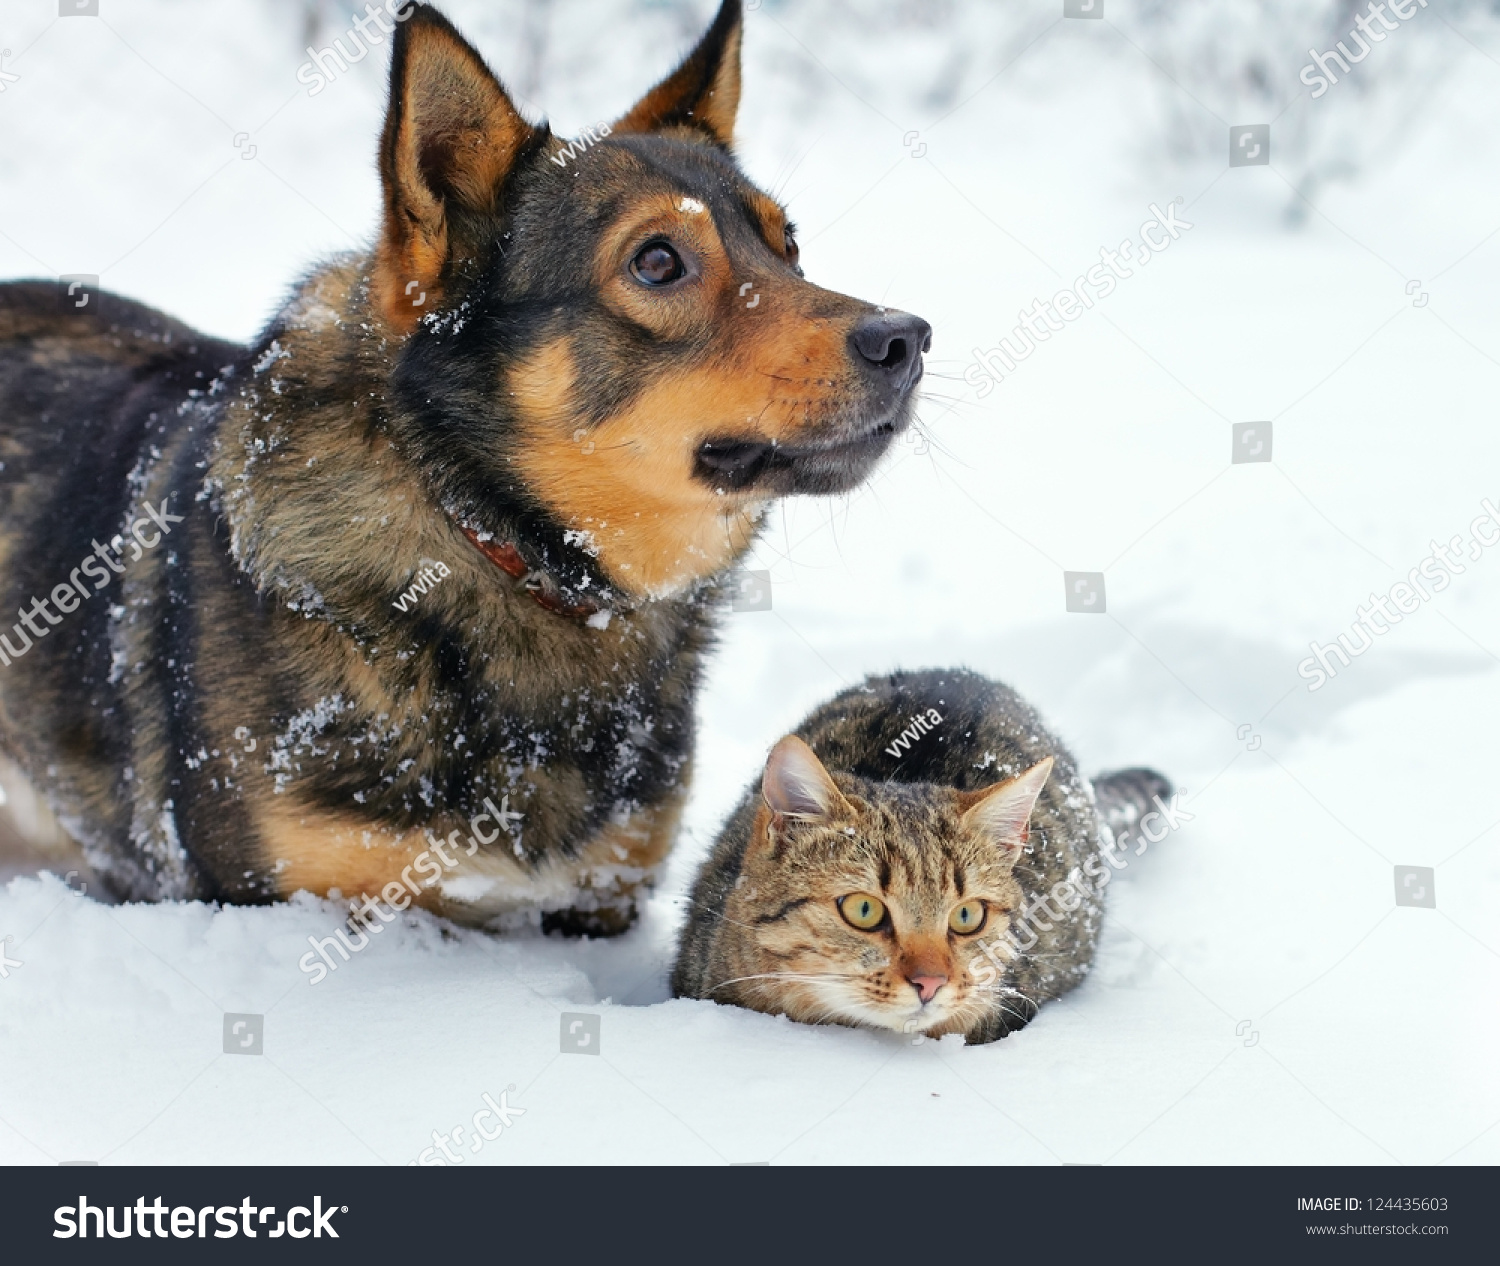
<point>654,527</point>
<point>771,217</point>
<point>320,852</point>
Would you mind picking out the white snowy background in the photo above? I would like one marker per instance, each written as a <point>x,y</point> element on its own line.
<point>1259,997</point>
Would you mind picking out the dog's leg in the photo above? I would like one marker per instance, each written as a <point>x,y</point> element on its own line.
<point>31,839</point>
<point>594,894</point>
<point>616,869</point>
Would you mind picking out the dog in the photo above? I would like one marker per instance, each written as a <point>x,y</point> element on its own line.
<point>436,562</point>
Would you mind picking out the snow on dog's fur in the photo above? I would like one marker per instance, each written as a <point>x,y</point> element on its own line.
<point>542,374</point>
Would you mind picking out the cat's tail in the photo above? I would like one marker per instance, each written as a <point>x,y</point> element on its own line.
<point>1125,797</point>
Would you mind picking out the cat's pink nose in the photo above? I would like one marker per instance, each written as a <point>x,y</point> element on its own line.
<point>927,986</point>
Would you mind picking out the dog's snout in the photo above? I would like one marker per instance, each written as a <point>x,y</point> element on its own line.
<point>891,344</point>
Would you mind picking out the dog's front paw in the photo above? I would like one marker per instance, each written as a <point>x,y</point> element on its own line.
<point>599,922</point>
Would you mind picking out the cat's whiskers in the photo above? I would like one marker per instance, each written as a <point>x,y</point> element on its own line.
<point>832,998</point>
<point>1024,1019</point>
<point>818,1008</point>
<point>803,977</point>
<point>827,1014</point>
<point>1031,1005</point>
<point>719,914</point>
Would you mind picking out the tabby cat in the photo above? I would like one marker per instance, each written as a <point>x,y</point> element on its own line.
<point>921,855</point>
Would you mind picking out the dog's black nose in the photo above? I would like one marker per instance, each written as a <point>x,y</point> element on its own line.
<point>892,344</point>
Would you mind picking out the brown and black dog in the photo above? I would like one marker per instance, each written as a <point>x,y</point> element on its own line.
<point>448,541</point>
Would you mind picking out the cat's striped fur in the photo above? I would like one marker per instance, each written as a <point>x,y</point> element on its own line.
<point>766,929</point>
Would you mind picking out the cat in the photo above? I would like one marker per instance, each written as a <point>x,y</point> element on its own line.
<point>921,855</point>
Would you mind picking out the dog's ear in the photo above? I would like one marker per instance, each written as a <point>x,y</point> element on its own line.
<point>451,137</point>
<point>704,92</point>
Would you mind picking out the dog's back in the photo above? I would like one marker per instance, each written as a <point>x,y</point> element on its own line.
<point>82,399</point>
<point>76,395</point>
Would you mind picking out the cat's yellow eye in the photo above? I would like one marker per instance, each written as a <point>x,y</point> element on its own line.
<point>967,918</point>
<point>862,911</point>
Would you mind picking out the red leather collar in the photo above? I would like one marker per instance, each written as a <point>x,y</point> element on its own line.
<point>542,589</point>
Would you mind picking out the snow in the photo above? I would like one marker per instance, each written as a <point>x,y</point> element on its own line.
<point>1259,997</point>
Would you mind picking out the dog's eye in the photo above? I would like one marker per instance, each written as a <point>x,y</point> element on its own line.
<point>658,265</point>
<point>793,251</point>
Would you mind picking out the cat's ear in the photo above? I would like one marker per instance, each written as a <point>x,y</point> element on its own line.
<point>795,784</point>
<point>1001,813</point>
<point>451,138</point>
<point>704,92</point>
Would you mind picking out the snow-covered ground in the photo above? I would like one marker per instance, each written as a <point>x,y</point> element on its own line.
<point>1260,995</point>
